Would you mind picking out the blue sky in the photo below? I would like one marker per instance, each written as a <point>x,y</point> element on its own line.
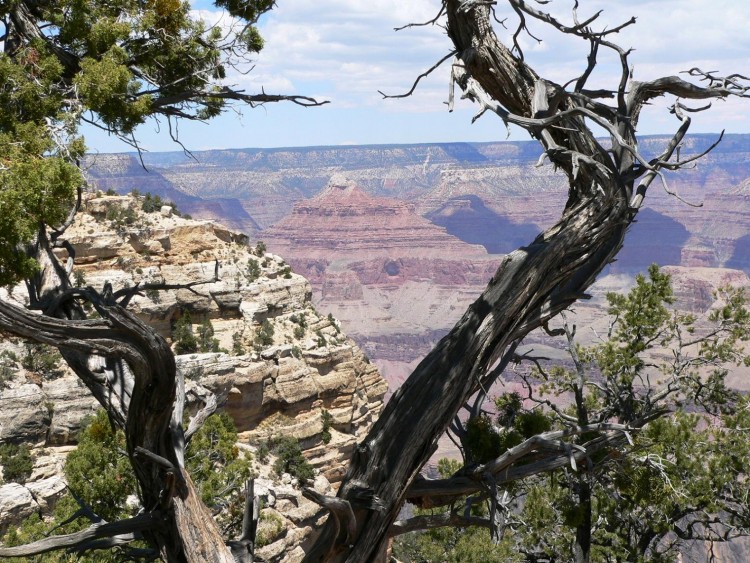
<point>345,51</point>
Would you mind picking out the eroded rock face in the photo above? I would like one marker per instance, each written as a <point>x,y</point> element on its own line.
<point>380,267</point>
<point>287,366</point>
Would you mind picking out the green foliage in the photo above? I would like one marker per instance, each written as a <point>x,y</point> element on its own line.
<point>238,348</point>
<point>120,216</point>
<point>119,63</point>
<point>289,458</point>
<point>42,359</point>
<point>260,248</point>
<point>661,371</point>
<point>219,469</point>
<point>98,471</point>
<point>270,525</point>
<point>17,462</point>
<point>327,419</point>
<point>8,367</point>
<point>206,340</point>
<point>264,334</point>
<point>253,270</point>
<point>79,278</point>
<point>183,336</point>
<point>483,442</point>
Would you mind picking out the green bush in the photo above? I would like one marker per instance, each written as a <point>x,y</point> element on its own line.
<point>218,469</point>
<point>260,248</point>
<point>289,458</point>
<point>42,359</point>
<point>206,340</point>
<point>17,462</point>
<point>264,334</point>
<point>183,336</point>
<point>79,278</point>
<point>327,424</point>
<point>8,367</point>
<point>253,270</point>
<point>98,470</point>
<point>238,349</point>
<point>151,203</point>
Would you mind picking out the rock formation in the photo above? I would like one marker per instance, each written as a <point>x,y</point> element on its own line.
<point>277,380</point>
<point>396,280</point>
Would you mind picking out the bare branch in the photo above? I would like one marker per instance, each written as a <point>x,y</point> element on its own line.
<point>419,78</point>
<point>138,523</point>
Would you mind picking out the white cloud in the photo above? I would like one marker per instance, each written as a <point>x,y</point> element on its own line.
<point>346,50</point>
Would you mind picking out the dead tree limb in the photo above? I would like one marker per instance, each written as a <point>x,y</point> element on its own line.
<point>533,284</point>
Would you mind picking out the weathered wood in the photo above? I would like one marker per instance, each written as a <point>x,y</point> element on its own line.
<point>532,284</point>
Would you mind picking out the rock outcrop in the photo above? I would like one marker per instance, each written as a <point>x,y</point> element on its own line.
<point>288,365</point>
<point>381,268</point>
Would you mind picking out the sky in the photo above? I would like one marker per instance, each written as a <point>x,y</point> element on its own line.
<point>344,51</point>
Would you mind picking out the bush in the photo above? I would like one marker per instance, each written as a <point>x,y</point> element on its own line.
<point>151,203</point>
<point>238,349</point>
<point>206,340</point>
<point>325,436</point>
<point>42,359</point>
<point>98,471</point>
<point>264,334</point>
<point>183,336</point>
<point>218,468</point>
<point>120,215</point>
<point>260,248</point>
<point>17,462</point>
<point>79,278</point>
<point>290,459</point>
<point>253,270</point>
<point>8,367</point>
<point>270,525</point>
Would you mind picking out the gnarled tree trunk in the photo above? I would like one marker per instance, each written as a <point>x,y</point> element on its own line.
<point>532,284</point>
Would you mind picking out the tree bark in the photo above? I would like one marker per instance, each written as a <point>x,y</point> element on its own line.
<point>532,284</point>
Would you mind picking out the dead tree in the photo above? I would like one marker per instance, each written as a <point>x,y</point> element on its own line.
<point>131,371</point>
<point>607,185</point>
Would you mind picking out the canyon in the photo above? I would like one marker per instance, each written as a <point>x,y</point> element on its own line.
<point>397,240</point>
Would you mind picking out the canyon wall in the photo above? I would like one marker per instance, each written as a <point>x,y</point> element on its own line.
<point>288,380</point>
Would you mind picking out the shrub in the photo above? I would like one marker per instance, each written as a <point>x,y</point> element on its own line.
<point>264,333</point>
<point>238,349</point>
<point>260,248</point>
<point>219,469</point>
<point>253,270</point>
<point>206,340</point>
<point>79,278</point>
<point>183,336</point>
<point>17,462</point>
<point>270,525</point>
<point>42,359</point>
<point>99,471</point>
<point>151,203</point>
<point>8,368</point>
<point>327,424</point>
<point>289,458</point>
